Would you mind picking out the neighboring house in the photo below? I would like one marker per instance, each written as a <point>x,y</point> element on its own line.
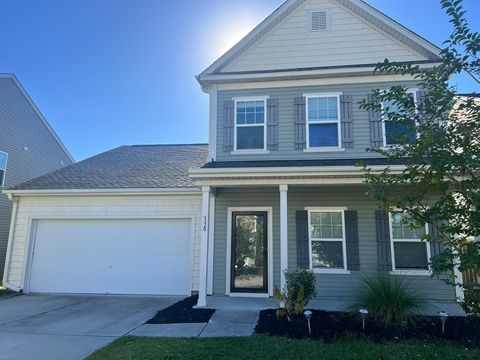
<point>278,189</point>
<point>28,147</point>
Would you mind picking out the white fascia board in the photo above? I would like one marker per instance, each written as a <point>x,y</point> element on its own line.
<point>298,74</point>
<point>287,172</point>
<point>103,192</point>
<point>39,114</point>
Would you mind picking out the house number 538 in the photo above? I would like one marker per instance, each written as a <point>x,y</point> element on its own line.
<point>204,226</point>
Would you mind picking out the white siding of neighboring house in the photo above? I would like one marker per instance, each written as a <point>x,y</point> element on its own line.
<point>75,207</point>
<point>350,41</point>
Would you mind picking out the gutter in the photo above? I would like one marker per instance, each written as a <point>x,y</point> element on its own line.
<point>287,172</point>
<point>290,74</point>
<point>102,192</point>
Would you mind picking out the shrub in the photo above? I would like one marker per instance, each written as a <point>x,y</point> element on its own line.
<point>389,300</point>
<point>301,278</point>
<point>299,290</point>
<point>471,303</point>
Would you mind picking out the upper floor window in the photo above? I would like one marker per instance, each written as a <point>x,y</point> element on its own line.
<point>327,239</point>
<point>323,121</point>
<point>409,252</point>
<point>3,167</point>
<point>250,120</point>
<point>395,132</point>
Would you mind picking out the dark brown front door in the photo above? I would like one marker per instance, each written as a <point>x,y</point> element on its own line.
<point>249,252</point>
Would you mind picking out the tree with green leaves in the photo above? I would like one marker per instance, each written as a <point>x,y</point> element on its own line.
<point>438,142</point>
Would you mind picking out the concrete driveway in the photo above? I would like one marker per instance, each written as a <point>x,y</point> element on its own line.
<point>70,326</point>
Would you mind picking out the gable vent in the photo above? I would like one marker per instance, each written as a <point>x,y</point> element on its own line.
<point>318,21</point>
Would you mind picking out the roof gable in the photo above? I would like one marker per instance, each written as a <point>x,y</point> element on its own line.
<point>358,34</point>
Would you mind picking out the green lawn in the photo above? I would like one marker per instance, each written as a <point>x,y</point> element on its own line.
<point>262,347</point>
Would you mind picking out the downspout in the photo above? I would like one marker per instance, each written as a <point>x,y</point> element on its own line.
<point>11,236</point>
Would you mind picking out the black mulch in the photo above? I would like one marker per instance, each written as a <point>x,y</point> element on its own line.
<point>330,326</point>
<point>7,293</point>
<point>182,312</point>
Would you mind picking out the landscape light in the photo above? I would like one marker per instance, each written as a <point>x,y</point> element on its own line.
<point>308,316</point>
<point>363,313</point>
<point>443,318</point>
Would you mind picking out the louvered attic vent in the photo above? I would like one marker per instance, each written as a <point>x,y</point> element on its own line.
<point>318,21</point>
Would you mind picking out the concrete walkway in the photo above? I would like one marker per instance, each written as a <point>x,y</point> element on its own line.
<point>70,327</point>
<point>232,317</point>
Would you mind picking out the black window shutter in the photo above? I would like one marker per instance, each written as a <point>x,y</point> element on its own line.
<point>376,126</point>
<point>383,240</point>
<point>300,132</point>
<point>228,125</point>
<point>351,239</point>
<point>303,256</point>
<point>272,124</point>
<point>346,120</point>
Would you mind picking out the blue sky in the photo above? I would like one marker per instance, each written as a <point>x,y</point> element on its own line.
<point>112,72</point>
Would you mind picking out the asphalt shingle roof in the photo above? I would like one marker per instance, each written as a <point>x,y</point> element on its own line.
<point>135,166</point>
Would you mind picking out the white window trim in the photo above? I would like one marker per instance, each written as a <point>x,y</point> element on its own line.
<point>343,270</point>
<point>2,182</point>
<point>338,122</point>
<point>385,145</point>
<point>396,271</point>
<point>251,151</point>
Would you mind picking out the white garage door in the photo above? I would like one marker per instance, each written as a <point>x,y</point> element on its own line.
<point>112,256</point>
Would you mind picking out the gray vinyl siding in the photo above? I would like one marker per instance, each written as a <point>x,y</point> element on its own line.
<point>329,286</point>
<point>32,149</point>
<point>286,146</point>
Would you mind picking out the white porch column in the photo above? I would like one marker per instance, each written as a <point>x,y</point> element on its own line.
<point>211,245</point>
<point>459,294</point>
<point>202,283</point>
<point>283,233</point>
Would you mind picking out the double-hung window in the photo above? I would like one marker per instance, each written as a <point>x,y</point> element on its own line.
<point>250,120</point>
<point>3,167</point>
<point>409,252</point>
<point>395,132</point>
<point>327,240</point>
<point>323,121</point>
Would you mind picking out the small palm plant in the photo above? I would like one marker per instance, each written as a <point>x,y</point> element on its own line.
<point>389,299</point>
<point>299,290</point>
<point>290,305</point>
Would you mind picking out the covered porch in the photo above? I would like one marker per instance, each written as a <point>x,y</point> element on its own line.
<point>278,206</point>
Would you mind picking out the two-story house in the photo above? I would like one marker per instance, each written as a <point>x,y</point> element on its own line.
<point>286,131</point>
<point>276,189</point>
<point>28,147</point>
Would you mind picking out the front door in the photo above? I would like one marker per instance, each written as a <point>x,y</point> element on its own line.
<point>249,252</point>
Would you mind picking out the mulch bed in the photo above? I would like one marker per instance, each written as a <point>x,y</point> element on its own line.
<point>331,326</point>
<point>7,293</point>
<point>182,312</point>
